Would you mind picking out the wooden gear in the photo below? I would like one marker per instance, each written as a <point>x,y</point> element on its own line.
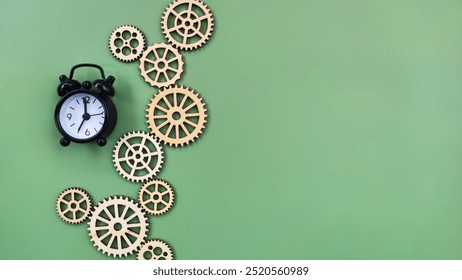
<point>138,156</point>
<point>161,65</point>
<point>155,250</point>
<point>127,43</point>
<point>176,115</point>
<point>73,205</point>
<point>187,24</point>
<point>156,197</point>
<point>117,226</point>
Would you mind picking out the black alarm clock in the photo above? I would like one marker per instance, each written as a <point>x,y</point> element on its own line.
<point>85,112</point>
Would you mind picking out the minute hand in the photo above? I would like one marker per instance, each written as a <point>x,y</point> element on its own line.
<point>97,114</point>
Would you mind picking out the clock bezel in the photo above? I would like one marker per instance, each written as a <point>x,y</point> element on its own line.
<point>104,103</point>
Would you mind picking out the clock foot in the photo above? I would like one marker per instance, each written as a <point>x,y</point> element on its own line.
<point>101,141</point>
<point>64,142</point>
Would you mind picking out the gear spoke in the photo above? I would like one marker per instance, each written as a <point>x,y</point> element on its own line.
<point>132,233</point>
<point>167,102</point>
<point>163,124</point>
<point>162,109</point>
<point>192,115</point>
<point>190,123</point>
<point>175,28</point>
<point>102,219</point>
<point>111,240</point>
<point>185,129</point>
<point>156,117</point>
<point>190,106</point>
<point>106,227</point>
<point>169,129</point>
<point>172,60</point>
<point>127,240</point>
<point>171,69</point>
<point>149,61</point>
<point>201,18</point>
<point>151,70</point>
<point>126,158</point>
<point>102,237</point>
<point>108,213</point>
<point>177,131</point>
<point>137,225</point>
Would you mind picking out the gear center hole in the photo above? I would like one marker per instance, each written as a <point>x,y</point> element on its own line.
<point>156,197</point>
<point>117,226</point>
<point>161,65</point>
<point>187,23</point>
<point>138,156</point>
<point>176,115</point>
<point>73,205</point>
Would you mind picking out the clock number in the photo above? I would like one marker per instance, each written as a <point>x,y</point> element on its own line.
<point>87,132</point>
<point>69,116</point>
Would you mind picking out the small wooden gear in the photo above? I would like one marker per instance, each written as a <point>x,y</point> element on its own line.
<point>138,156</point>
<point>156,197</point>
<point>127,43</point>
<point>118,226</point>
<point>73,205</point>
<point>187,24</point>
<point>176,115</point>
<point>161,65</point>
<point>155,250</point>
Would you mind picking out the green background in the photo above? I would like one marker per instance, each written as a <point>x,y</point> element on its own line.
<point>335,129</point>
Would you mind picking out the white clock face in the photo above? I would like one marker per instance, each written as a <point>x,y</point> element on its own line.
<point>82,116</point>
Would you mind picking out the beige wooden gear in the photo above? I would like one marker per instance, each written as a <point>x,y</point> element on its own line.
<point>127,43</point>
<point>118,226</point>
<point>138,156</point>
<point>176,115</point>
<point>187,24</point>
<point>73,205</point>
<point>161,65</point>
<point>156,197</point>
<point>155,250</point>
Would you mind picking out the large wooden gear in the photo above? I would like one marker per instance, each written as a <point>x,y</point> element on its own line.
<point>176,115</point>
<point>127,43</point>
<point>118,226</point>
<point>156,197</point>
<point>161,65</point>
<point>187,24</point>
<point>155,250</point>
<point>73,205</point>
<point>138,156</point>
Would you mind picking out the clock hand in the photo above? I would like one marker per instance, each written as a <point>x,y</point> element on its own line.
<point>85,101</point>
<point>78,130</point>
<point>85,116</point>
<point>97,114</point>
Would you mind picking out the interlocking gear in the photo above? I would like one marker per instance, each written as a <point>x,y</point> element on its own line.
<point>118,226</point>
<point>127,43</point>
<point>73,205</point>
<point>155,250</point>
<point>138,156</point>
<point>156,197</point>
<point>187,24</point>
<point>161,65</point>
<point>176,115</point>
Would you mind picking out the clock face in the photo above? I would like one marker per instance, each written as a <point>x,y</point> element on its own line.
<point>82,116</point>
